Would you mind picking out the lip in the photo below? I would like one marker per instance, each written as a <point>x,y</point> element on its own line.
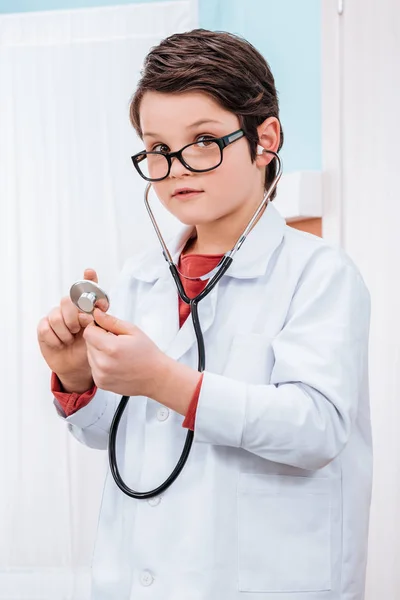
<point>190,192</point>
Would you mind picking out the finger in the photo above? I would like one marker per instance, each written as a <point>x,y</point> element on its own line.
<point>85,319</point>
<point>59,327</point>
<point>47,336</point>
<point>98,338</point>
<point>102,304</point>
<point>70,314</point>
<point>90,275</point>
<point>112,324</point>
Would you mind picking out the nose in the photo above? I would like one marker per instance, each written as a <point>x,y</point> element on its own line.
<point>177,168</point>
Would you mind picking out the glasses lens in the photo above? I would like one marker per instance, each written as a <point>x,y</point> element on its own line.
<point>153,165</point>
<point>202,155</point>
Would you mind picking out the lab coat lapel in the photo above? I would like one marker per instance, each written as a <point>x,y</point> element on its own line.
<point>159,317</point>
<point>186,336</point>
<point>158,311</point>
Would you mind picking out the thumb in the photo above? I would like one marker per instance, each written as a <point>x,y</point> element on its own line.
<point>90,275</point>
<point>112,324</point>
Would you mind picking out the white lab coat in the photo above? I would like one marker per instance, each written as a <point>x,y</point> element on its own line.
<point>273,503</point>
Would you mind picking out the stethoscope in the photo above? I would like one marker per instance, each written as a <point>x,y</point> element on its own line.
<point>85,295</point>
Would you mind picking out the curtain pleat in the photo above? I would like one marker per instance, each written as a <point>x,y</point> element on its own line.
<point>69,199</point>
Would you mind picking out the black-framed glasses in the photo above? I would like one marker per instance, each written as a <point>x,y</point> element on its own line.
<point>199,157</point>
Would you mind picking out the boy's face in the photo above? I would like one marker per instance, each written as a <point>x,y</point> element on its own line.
<point>169,122</point>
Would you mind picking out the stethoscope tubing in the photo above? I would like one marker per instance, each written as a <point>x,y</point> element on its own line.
<point>220,271</point>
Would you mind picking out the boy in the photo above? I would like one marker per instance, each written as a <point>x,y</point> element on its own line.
<point>273,502</point>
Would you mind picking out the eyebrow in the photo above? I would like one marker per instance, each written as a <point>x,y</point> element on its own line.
<point>192,126</point>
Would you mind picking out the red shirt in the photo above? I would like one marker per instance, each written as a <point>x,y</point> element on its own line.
<point>191,265</point>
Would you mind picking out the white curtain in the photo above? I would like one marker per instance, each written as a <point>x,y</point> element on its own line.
<point>69,199</point>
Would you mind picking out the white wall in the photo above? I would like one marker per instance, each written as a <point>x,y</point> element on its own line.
<point>361,132</point>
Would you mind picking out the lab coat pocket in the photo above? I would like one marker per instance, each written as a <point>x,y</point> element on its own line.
<point>284,530</point>
<point>250,358</point>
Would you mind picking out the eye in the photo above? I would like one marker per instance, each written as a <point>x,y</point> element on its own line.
<point>205,140</point>
<point>160,148</point>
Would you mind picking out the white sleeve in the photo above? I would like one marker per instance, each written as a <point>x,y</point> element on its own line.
<point>304,417</point>
<point>90,425</point>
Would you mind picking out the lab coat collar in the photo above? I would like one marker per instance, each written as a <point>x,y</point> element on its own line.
<point>250,261</point>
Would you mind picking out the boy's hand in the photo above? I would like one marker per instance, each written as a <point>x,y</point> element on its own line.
<point>60,336</point>
<point>123,359</point>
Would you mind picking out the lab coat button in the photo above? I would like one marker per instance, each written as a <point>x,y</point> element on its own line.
<point>155,501</point>
<point>146,578</point>
<point>162,414</point>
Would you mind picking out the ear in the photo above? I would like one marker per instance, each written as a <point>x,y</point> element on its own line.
<point>269,135</point>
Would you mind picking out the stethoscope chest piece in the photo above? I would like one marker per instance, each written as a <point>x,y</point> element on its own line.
<point>84,294</point>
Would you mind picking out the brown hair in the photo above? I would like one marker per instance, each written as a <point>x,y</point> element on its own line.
<point>224,66</point>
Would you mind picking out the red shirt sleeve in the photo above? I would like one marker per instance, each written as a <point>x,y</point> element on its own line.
<point>190,418</point>
<point>70,402</point>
